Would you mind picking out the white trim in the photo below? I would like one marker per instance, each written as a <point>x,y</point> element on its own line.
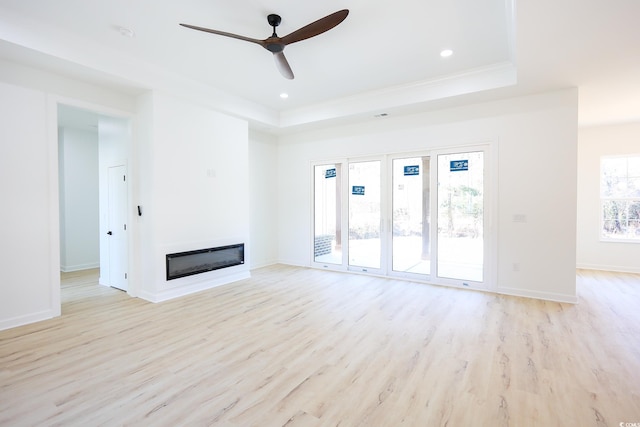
<point>616,156</point>
<point>173,293</point>
<point>616,268</point>
<point>55,300</point>
<point>262,265</point>
<point>618,240</point>
<point>317,265</point>
<point>343,218</point>
<point>603,199</point>
<point>546,296</point>
<point>79,267</point>
<point>391,273</point>
<point>490,233</point>
<point>52,115</point>
<point>28,318</point>
<point>382,159</point>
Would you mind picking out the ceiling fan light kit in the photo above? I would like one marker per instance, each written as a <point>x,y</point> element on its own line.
<point>276,44</point>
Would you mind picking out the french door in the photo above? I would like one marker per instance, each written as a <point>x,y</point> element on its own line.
<point>460,239</point>
<point>411,215</point>
<point>422,216</point>
<point>365,216</point>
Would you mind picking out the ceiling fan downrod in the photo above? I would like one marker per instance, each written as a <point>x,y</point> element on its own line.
<point>274,20</point>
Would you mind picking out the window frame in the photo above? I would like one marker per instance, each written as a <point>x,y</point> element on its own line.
<point>605,199</point>
<point>490,257</point>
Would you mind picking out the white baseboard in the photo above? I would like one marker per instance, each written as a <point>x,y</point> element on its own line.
<point>547,296</point>
<point>79,267</point>
<point>292,263</point>
<point>264,264</point>
<point>193,288</point>
<point>616,268</point>
<point>26,319</point>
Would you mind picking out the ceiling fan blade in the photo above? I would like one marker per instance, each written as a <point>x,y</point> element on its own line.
<point>223,33</point>
<point>283,65</point>
<point>315,28</point>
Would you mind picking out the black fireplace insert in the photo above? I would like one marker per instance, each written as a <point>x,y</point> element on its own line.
<point>183,264</point>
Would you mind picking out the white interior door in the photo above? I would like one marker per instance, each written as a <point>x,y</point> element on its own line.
<point>117,227</point>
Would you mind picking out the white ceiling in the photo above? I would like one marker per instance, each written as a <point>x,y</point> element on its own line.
<point>383,58</point>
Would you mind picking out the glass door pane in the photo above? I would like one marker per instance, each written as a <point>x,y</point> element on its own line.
<point>410,216</point>
<point>364,214</point>
<point>460,197</point>
<point>327,213</point>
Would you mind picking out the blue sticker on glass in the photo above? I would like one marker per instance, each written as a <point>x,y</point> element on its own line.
<point>357,190</point>
<point>459,165</point>
<point>411,170</point>
<point>330,173</point>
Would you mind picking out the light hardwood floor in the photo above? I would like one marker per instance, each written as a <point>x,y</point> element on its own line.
<point>301,347</point>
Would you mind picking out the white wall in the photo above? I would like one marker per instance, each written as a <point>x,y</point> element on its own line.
<point>190,175</point>
<point>143,269</point>
<point>593,143</point>
<point>192,179</point>
<point>29,218</point>
<point>25,217</point>
<point>534,140</point>
<point>78,184</point>
<point>263,175</point>
<point>199,179</point>
<point>65,89</point>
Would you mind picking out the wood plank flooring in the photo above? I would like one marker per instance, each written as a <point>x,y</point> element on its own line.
<point>300,347</point>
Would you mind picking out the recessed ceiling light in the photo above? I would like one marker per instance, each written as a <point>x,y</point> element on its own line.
<point>446,53</point>
<point>284,95</point>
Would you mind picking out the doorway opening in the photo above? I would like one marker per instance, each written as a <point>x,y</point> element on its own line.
<point>93,194</point>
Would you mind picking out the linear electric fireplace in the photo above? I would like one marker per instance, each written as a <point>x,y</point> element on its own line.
<point>183,264</point>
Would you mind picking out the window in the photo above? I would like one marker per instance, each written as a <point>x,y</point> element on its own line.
<point>620,198</point>
<point>420,215</point>
<point>327,239</point>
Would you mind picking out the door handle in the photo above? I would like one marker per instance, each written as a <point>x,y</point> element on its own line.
<point>109,233</point>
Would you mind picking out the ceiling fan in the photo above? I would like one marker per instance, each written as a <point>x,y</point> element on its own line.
<point>276,44</point>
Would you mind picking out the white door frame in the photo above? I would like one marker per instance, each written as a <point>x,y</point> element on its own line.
<point>54,192</point>
<point>489,237</point>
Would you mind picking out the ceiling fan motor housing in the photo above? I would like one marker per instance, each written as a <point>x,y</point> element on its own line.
<point>274,47</point>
